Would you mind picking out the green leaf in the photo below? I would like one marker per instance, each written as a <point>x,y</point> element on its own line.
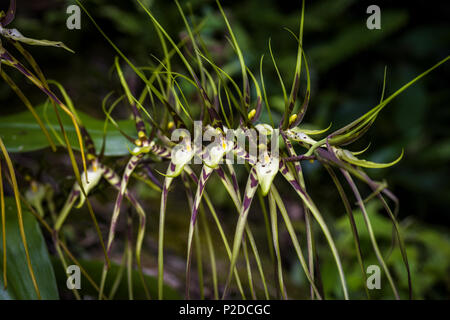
<point>20,285</point>
<point>21,133</point>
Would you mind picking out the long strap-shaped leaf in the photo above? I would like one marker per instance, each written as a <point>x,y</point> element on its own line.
<point>19,216</point>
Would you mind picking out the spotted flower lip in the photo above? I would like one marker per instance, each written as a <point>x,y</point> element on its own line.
<point>266,170</point>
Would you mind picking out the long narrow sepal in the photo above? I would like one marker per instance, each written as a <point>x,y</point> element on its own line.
<point>370,231</point>
<point>315,212</point>
<point>204,176</point>
<point>250,190</point>
<point>114,180</point>
<point>131,165</point>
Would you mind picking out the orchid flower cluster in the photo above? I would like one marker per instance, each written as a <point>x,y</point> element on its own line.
<point>164,119</point>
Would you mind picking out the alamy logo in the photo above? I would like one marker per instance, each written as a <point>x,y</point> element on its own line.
<point>374,277</point>
<point>74,19</point>
<point>374,20</point>
<point>73,277</point>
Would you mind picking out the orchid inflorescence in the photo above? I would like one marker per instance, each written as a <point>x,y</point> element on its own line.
<point>162,112</point>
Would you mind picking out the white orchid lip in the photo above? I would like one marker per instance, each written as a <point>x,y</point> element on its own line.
<point>182,155</point>
<point>266,170</point>
<point>216,152</point>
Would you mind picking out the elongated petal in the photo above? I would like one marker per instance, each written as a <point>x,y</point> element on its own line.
<point>350,158</point>
<point>15,35</point>
<point>204,176</point>
<point>315,212</point>
<point>310,132</point>
<point>132,163</point>
<point>250,190</point>
<point>114,179</point>
<point>170,173</point>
